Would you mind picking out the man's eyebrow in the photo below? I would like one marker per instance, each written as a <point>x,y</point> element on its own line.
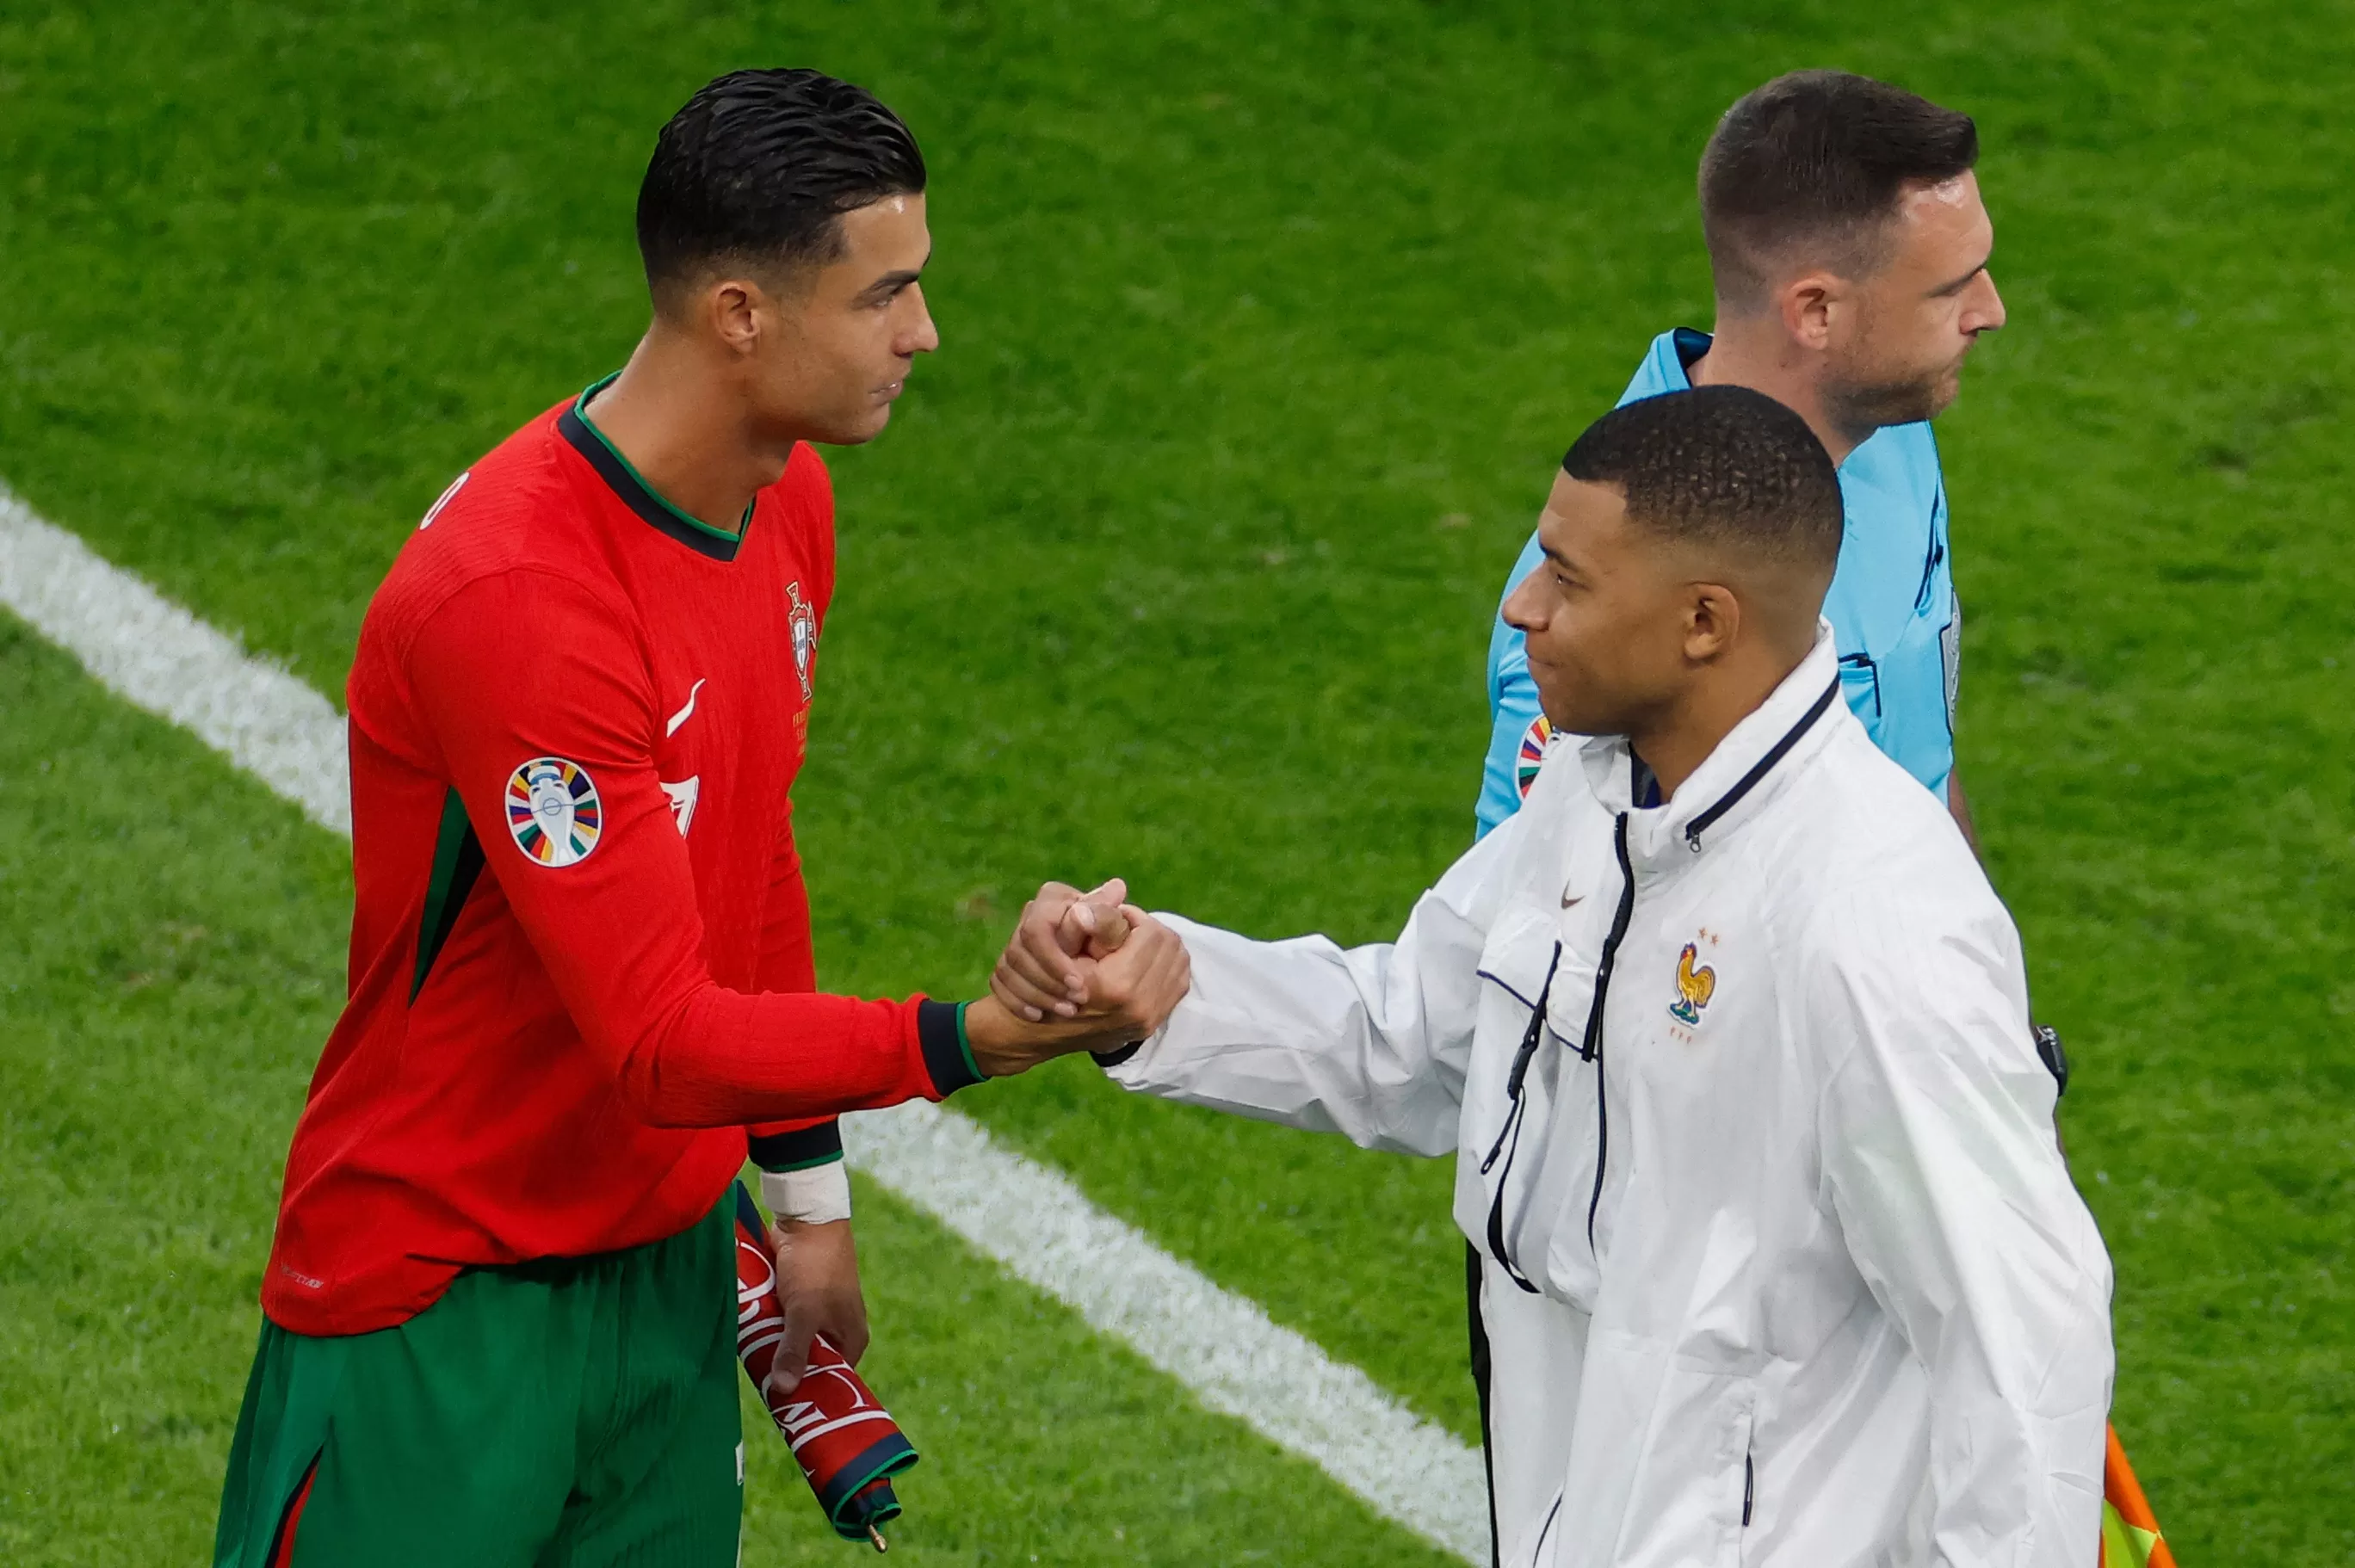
<point>892,283</point>
<point>1959,284</point>
<point>1556,557</point>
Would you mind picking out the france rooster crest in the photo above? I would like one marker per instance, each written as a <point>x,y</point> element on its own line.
<point>804,621</point>
<point>1696,984</point>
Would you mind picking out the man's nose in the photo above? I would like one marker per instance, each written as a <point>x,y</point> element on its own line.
<point>1986,314</point>
<point>925,337</point>
<point>1520,611</point>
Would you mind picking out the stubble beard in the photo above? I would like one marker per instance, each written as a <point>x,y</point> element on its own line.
<point>1860,408</point>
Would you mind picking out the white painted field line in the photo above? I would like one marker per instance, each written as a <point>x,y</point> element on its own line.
<point>1043,1231</point>
<point>1037,1225</point>
<point>149,650</point>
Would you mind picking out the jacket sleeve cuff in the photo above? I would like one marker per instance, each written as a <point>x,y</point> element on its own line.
<point>1108,1059</point>
<point>948,1055</point>
<point>800,1149</point>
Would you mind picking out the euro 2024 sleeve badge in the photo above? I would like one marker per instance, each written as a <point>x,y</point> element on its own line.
<point>553,811</point>
<point>1536,742</point>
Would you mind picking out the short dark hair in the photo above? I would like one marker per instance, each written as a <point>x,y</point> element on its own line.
<point>757,170</point>
<point>1719,465</point>
<point>1819,159</point>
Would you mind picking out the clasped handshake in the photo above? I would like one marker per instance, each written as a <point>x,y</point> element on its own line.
<point>1083,971</point>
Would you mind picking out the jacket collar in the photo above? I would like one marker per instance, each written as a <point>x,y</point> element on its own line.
<point>1749,767</point>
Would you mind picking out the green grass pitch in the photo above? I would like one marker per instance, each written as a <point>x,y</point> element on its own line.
<point>1263,325</point>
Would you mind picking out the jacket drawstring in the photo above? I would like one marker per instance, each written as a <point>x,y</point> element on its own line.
<point>1590,1047</point>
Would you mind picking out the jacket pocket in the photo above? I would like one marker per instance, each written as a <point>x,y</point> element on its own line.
<point>1531,983</point>
<point>1518,956</point>
<point>1540,1548</point>
<point>1688,1473</point>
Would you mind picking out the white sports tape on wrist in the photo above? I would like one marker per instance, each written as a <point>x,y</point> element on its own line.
<point>817,1196</point>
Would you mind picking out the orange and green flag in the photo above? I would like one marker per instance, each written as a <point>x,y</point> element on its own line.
<point>2130,1537</point>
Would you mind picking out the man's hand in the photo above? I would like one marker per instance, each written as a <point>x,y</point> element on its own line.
<point>1044,969</point>
<point>1083,972</point>
<point>817,1286</point>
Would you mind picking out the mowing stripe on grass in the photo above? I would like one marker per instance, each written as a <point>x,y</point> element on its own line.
<point>1033,1221</point>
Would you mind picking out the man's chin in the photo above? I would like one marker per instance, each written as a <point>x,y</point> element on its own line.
<point>1942,395</point>
<point>858,429</point>
<point>1569,719</point>
<point>1871,408</point>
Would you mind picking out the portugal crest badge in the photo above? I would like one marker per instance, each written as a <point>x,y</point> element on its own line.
<point>553,811</point>
<point>805,625</point>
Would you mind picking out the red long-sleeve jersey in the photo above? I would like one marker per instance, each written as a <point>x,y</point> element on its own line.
<point>581,959</point>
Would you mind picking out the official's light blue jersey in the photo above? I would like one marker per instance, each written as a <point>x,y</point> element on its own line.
<point>1891,605</point>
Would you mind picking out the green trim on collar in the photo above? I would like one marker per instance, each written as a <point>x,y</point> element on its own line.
<point>580,413</point>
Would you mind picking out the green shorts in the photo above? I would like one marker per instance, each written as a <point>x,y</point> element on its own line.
<point>554,1415</point>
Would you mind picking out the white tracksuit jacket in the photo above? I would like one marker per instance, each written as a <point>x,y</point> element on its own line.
<point>1785,1269</point>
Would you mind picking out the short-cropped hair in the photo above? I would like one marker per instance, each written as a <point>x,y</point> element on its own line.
<point>1720,466</point>
<point>757,170</point>
<point>1810,168</point>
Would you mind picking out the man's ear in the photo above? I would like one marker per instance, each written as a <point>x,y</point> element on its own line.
<point>732,309</point>
<point>1713,621</point>
<point>1807,304</point>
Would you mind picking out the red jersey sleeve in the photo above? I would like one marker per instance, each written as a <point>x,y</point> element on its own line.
<point>788,964</point>
<point>540,699</point>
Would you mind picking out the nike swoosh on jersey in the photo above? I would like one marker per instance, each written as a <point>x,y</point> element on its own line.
<point>684,714</point>
<point>1567,900</point>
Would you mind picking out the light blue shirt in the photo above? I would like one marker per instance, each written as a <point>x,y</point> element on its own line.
<point>1891,605</point>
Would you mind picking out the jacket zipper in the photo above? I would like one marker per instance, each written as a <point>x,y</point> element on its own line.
<point>1749,1487</point>
<point>1749,780</point>
<point>1590,1046</point>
